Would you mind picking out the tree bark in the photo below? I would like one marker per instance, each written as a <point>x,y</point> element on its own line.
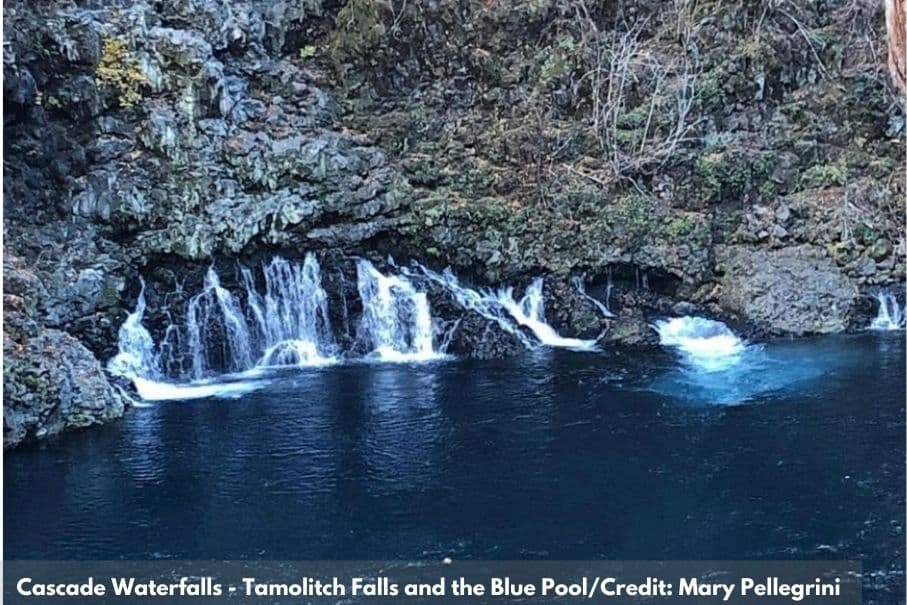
<point>896,21</point>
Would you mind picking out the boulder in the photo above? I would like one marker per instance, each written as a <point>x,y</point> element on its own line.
<point>53,383</point>
<point>478,337</point>
<point>796,290</point>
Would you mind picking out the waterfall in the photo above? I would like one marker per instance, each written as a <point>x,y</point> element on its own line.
<point>139,361</point>
<point>292,317</point>
<point>483,303</point>
<point>285,325</point>
<point>396,319</point>
<point>890,315</point>
<point>136,356</point>
<point>580,286</point>
<point>278,316</point>
<point>529,311</point>
<point>215,315</point>
<point>706,343</point>
<point>511,315</point>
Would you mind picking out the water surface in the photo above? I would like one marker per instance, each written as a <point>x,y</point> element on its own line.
<point>797,452</point>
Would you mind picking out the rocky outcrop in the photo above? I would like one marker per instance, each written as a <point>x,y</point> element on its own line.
<point>51,381</point>
<point>785,291</point>
<point>475,336</point>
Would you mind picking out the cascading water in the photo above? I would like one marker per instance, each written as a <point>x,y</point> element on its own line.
<point>292,316</point>
<point>139,361</point>
<point>890,315</point>
<point>706,343</point>
<point>529,311</point>
<point>396,318</point>
<point>483,303</point>
<point>280,317</point>
<point>136,356</point>
<point>286,325</point>
<point>510,314</point>
<point>215,309</point>
<point>580,286</point>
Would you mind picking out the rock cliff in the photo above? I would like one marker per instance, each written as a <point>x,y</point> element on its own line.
<point>743,161</point>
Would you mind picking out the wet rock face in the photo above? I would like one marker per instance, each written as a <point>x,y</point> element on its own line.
<point>476,336</point>
<point>785,291</point>
<point>570,313</point>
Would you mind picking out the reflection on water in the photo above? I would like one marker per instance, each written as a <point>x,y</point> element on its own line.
<point>553,454</point>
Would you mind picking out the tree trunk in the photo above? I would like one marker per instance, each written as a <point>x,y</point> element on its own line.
<point>896,21</point>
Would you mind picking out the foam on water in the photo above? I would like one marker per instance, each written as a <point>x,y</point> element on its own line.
<point>705,343</point>
<point>775,367</point>
<point>152,390</point>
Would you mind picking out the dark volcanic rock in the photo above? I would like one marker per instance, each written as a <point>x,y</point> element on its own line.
<point>476,336</point>
<point>53,383</point>
<point>570,313</point>
<point>785,291</point>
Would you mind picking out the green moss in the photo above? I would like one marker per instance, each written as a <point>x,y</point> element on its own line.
<point>709,168</point>
<point>633,119</point>
<point>823,175</point>
<point>710,91</point>
<point>731,175</point>
<point>558,62</point>
<point>634,215</point>
<point>865,234</point>
<point>681,226</point>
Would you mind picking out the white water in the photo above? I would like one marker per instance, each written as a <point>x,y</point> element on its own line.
<point>484,303</point>
<point>705,343</point>
<point>155,390</point>
<point>580,286</point>
<point>215,308</point>
<point>890,316</point>
<point>286,325</point>
<point>529,311</point>
<point>396,318</point>
<point>280,318</point>
<point>136,356</point>
<point>508,313</point>
<point>292,317</point>
<point>139,361</point>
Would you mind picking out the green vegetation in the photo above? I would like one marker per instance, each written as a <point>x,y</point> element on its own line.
<point>822,176</point>
<point>359,33</point>
<point>734,175</point>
